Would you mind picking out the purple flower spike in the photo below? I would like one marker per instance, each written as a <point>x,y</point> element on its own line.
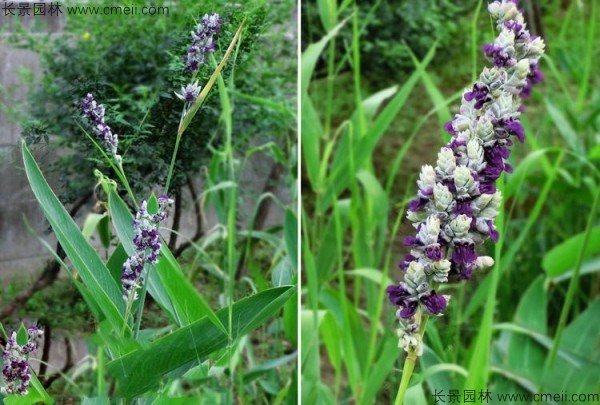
<point>16,373</point>
<point>94,113</point>
<point>457,200</point>
<point>202,42</point>
<point>147,244</point>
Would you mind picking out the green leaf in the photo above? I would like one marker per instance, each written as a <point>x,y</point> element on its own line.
<point>94,274</point>
<point>312,129</point>
<point>374,275</point>
<point>564,127</point>
<point>291,236</point>
<point>326,257</point>
<point>373,103</point>
<point>104,231</point>
<point>582,338</point>
<point>523,354</point>
<point>365,143</point>
<point>257,371</point>
<point>310,359</point>
<point>562,258</point>
<point>166,282</point>
<point>282,273</point>
<point>381,369</point>
<point>311,55</point>
<point>415,395</point>
<point>90,224</point>
<point>143,369</point>
<point>440,103</point>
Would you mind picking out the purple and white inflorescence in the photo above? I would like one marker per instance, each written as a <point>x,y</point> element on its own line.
<point>203,42</point>
<point>189,93</point>
<point>94,113</point>
<point>147,246</point>
<point>457,201</point>
<point>16,373</point>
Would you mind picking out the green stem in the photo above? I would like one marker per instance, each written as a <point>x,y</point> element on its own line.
<point>574,283</point>
<point>140,311</point>
<point>172,165</point>
<point>409,363</point>
<point>118,168</point>
<point>409,366</point>
<point>100,369</point>
<point>127,313</point>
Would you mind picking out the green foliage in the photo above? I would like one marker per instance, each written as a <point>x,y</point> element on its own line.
<point>390,30</point>
<point>136,79</point>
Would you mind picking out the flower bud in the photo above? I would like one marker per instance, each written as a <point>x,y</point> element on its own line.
<point>446,162</point>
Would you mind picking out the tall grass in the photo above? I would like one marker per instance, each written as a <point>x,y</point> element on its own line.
<point>502,331</point>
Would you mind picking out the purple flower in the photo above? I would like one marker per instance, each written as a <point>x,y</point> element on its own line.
<point>498,55</point>
<point>397,294</point>
<point>147,243</point>
<point>463,207</point>
<point>434,303</point>
<point>409,310</point>
<point>189,93</point>
<point>535,76</point>
<point>94,113</point>
<point>448,127</point>
<point>434,253</point>
<point>407,259</point>
<point>202,42</point>
<point>16,373</point>
<point>464,253</point>
<point>417,204</point>
<point>480,94</point>
<point>514,127</point>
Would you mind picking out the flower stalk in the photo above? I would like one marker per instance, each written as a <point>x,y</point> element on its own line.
<point>457,202</point>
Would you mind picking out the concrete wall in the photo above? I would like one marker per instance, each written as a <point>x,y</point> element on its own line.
<point>20,251</point>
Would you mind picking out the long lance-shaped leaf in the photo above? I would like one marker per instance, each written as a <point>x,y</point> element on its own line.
<point>166,282</point>
<point>208,86</point>
<point>142,369</point>
<point>90,267</point>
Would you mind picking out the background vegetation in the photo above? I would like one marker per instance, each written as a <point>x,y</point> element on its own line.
<point>371,116</point>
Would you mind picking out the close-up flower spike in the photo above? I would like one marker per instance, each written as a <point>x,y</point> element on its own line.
<point>457,201</point>
<point>147,246</point>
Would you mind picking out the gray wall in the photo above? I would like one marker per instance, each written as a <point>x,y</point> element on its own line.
<point>20,251</point>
